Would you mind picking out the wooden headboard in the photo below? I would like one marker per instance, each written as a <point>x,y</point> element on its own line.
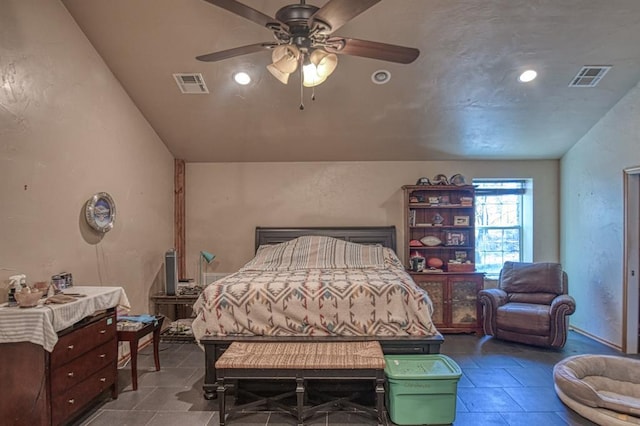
<point>384,235</point>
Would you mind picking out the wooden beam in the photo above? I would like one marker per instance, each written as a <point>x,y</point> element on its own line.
<point>179,216</point>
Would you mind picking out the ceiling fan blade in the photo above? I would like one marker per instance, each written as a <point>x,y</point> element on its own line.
<point>336,13</point>
<point>372,49</point>
<point>246,12</point>
<point>236,51</point>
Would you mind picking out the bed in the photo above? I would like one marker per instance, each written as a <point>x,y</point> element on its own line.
<point>302,286</point>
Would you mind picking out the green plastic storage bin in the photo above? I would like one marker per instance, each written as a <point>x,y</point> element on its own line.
<point>421,389</point>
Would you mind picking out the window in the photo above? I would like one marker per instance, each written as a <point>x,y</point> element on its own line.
<point>502,210</point>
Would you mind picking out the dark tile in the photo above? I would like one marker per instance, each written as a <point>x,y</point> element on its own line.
<point>242,419</point>
<point>479,419</point>
<point>487,400</point>
<point>465,382</point>
<point>536,399</point>
<point>529,419</point>
<point>460,407</point>
<point>173,418</point>
<point>128,399</point>
<point>166,377</point>
<point>491,377</point>
<point>348,418</point>
<point>498,360</point>
<point>121,418</point>
<point>532,376</point>
<point>175,399</point>
<point>463,361</point>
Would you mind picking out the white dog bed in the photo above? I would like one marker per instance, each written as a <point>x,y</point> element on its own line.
<point>605,389</point>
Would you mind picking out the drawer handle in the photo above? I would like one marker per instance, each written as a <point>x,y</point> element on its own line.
<point>70,374</point>
<point>103,331</point>
<point>103,379</point>
<point>70,347</point>
<point>71,401</point>
<point>103,356</point>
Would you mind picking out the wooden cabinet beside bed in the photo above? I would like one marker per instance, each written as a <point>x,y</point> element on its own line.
<point>455,300</point>
<point>440,226</point>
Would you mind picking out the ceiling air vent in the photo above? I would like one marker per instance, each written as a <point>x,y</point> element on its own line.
<point>191,83</point>
<point>589,76</point>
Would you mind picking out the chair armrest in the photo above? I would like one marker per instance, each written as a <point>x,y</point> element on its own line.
<point>561,307</point>
<point>495,297</point>
<point>491,299</point>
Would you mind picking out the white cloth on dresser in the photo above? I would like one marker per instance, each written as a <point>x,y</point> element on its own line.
<point>40,325</point>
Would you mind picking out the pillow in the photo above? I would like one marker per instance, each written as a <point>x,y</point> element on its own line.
<point>317,252</point>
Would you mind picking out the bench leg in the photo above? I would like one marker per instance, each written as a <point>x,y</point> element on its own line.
<point>221,405</point>
<point>300,398</point>
<point>380,399</point>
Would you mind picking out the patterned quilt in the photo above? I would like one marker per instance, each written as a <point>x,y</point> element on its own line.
<point>316,286</point>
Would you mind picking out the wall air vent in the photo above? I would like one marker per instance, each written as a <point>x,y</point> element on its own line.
<point>589,76</point>
<point>191,83</point>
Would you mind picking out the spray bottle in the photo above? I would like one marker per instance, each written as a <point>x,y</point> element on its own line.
<point>16,283</point>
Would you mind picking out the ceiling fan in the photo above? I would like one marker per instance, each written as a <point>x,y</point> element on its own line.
<point>304,37</point>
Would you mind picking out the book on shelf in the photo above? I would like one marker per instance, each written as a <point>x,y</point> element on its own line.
<point>412,217</point>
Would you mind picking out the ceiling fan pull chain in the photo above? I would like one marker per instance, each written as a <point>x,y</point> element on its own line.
<point>301,88</point>
<point>313,93</point>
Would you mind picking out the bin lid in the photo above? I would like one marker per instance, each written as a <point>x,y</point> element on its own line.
<point>435,366</point>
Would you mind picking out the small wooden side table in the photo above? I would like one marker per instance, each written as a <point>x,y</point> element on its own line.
<point>134,336</point>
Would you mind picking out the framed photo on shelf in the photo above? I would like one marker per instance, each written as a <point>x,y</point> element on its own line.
<point>461,255</point>
<point>461,221</point>
<point>456,238</point>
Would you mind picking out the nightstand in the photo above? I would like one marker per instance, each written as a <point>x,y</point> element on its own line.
<point>134,336</point>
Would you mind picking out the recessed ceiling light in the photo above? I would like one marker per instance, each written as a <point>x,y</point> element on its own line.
<point>527,76</point>
<point>242,78</point>
<point>381,77</point>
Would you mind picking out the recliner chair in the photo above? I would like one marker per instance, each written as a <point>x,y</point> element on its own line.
<point>530,305</point>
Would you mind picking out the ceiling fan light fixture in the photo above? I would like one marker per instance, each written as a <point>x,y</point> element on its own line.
<point>283,77</point>
<point>311,78</point>
<point>285,58</point>
<point>325,62</point>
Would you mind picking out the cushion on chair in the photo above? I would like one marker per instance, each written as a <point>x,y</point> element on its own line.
<point>524,318</point>
<point>542,277</point>
<point>601,381</point>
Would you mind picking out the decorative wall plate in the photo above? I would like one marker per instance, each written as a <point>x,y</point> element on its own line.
<point>100,212</point>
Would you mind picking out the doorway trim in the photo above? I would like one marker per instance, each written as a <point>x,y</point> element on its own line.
<point>631,263</point>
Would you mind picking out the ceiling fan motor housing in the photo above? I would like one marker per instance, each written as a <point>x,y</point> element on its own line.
<point>297,18</point>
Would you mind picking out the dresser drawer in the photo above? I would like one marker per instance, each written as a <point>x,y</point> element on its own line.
<point>68,403</point>
<point>70,374</point>
<point>77,342</point>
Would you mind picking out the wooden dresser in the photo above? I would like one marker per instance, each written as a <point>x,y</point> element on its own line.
<point>56,359</point>
<point>50,388</point>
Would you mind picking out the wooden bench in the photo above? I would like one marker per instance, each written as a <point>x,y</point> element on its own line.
<point>299,362</point>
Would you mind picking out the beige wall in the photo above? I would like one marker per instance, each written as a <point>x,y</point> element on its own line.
<point>226,201</point>
<point>67,131</point>
<point>592,218</point>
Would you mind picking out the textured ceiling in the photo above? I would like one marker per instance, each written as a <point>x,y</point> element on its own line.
<point>459,100</point>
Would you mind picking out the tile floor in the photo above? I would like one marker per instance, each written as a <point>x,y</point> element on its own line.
<point>502,384</point>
